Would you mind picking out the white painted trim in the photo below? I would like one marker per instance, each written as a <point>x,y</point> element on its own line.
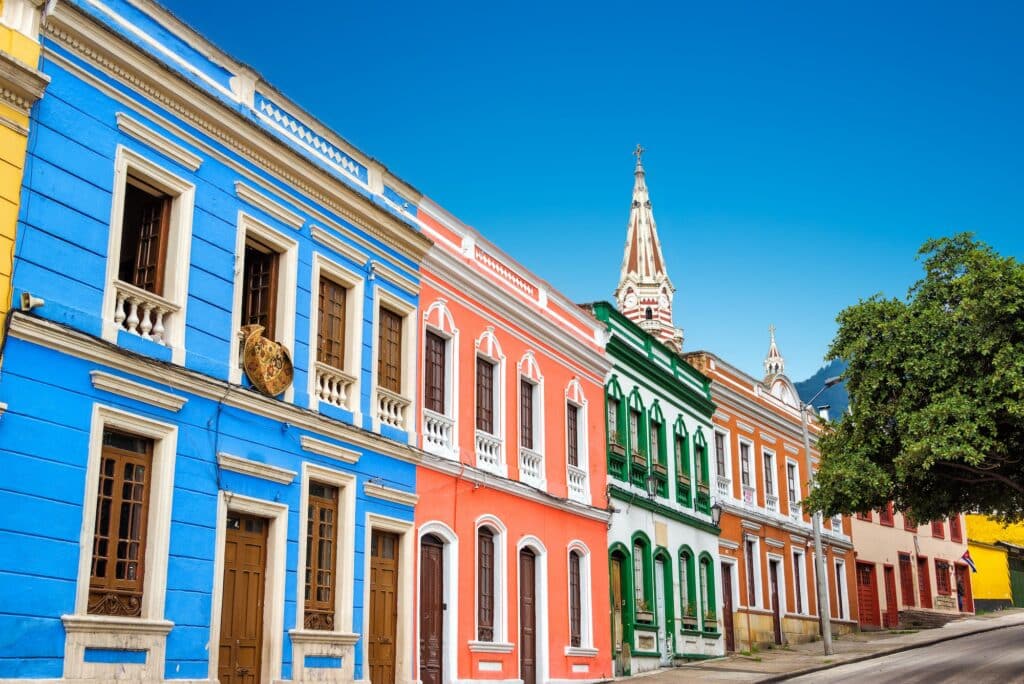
<point>586,600</point>
<point>774,481</point>
<point>759,597</point>
<point>542,604</point>
<point>845,603</point>
<point>783,585</point>
<point>179,244</point>
<point>274,579</point>
<point>800,588</point>
<point>488,348</point>
<point>735,583</point>
<point>574,395</point>
<point>490,646</point>
<point>130,389</point>
<point>269,206</point>
<point>726,544</point>
<point>728,451</point>
<point>406,597</point>
<point>284,310</point>
<point>450,628</point>
<point>322,448</point>
<point>395,278</point>
<point>444,327</point>
<point>751,465</point>
<point>246,466</point>
<point>391,494</point>
<point>158,142</point>
<point>382,297</point>
<point>501,584</point>
<point>340,246</point>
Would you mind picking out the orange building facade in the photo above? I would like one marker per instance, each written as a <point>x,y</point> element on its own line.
<point>512,516</point>
<point>766,544</point>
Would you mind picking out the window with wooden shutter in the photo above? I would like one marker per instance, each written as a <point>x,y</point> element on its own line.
<point>938,529</point>
<point>525,413</point>
<point>720,454</point>
<point>485,584</point>
<point>769,473</point>
<point>909,523</point>
<point>745,464</point>
<point>122,516</point>
<point>573,434</point>
<point>798,581</point>
<point>434,373</point>
<point>942,583</point>
<point>330,335</point>
<point>751,552</point>
<point>791,484</point>
<point>145,225</point>
<point>575,598</point>
<point>485,396</point>
<point>389,351</point>
<point>885,515</point>
<point>955,532</point>
<point>321,556</point>
<point>907,581</point>
<point>259,287</point>
<point>613,421</point>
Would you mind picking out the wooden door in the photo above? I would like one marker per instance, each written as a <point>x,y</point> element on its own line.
<point>892,616</point>
<point>241,615</point>
<point>617,628</point>
<point>383,606</point>
<point>773,574</point>
<point>527,617</point>
<point>730,639</point>
<point>661,613</point>
<point>963,588</point>
<point>431,610</point>
<point>1016,564</point>
<point>867,595</point>
<point>924,582</point>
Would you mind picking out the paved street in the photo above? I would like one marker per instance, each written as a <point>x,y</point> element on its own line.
<point>989,658</point>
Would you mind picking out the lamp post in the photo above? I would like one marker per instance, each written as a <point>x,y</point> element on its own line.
<point>824,618</point>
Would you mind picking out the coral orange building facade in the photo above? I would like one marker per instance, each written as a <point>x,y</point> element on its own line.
<point>512,517</point>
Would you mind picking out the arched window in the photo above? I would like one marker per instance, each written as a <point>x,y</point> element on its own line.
<point>575,600</point>
<point>681,451</point>
<point>648,314</point>
<point>615,409</point>
<point>688,590</point>
<point>485,584</point>
<point>643,577</point>
<point>700,465</point>
<point>707,591</point>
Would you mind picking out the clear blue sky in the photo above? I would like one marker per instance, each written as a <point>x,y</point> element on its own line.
<point>798,154</point>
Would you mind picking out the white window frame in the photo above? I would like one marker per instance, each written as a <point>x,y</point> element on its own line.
<point>783,588</point>
<point>759,599</point>
<point>529,370</point>
<point>488,349</point>
<point>284,311</point>
<point>407,310</point>
<point>406,594</point>
<point>800,588</point>
<point>107,631</point>
<point>751,465</point>
<point>501,643</point>
<point>814,575</point>
<point>438,319</point>
<point>323,267</point>
<point>774,472</point>
<point>586,647</point>
<point>733,564</point>
<point>796,480</point>
<point>728,452</point>
<point>840,563</point>
<point>179,244</point>
<point>574,395</point>
<point>541,593</point>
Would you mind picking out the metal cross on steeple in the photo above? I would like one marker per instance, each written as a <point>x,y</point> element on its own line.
<point>638,152</point>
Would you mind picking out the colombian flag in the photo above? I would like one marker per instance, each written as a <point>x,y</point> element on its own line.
<point>966,558</point>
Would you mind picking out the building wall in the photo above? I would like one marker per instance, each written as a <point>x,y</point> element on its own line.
<point>992,587</point>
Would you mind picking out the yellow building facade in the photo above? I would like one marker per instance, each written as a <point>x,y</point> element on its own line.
<point>998,553</point>
<point>21,85</point>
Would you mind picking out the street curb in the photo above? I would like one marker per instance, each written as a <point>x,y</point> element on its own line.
<point>871,656</point>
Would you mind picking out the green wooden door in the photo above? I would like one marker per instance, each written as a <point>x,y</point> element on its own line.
<point>1017,580</point>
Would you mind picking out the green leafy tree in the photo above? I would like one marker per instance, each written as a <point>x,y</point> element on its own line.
<point>936,388</point>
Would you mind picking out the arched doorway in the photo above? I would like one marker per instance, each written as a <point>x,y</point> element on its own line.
<point>432,606</point>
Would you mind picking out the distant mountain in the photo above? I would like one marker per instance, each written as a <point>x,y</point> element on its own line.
<point>835,397</point>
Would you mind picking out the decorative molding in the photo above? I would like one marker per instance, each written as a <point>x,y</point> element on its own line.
<point>323,237</point>
<point>490,647</point>
<point>136,390</point>
<point>742,426</point>
<point>765,437</point>
<point>269,206</point>
<point>378,491</point>
<point>316,446</point>
<point>750,525</point>
<point>246,466</point>
<point>729,545</point>
<point>108,624</point>
<point>21,86</point>
<point>395,278</point>
<point>158,142</point>
<point>791,449</point>
<point>580,652</point>
<point>777,543</point>
<point>724,417</point>
<point>798,540</point>
<point>316,636</point>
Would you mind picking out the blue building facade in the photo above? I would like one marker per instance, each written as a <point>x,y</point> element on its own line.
<point>161,516</point>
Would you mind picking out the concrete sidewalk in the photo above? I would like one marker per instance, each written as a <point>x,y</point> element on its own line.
<point>781,663</point>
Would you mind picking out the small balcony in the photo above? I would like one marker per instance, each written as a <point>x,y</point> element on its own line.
<point>531,467</point>
<point>392,409</point>
<point>577,483</point>
<point>771,503</point>
<point>488,452</point>
<point>333,386</point>
<point>142,313</point>
<point>438,431</point>
<point>795,513</point>
<point>723,486</point>
<point>749,495</point>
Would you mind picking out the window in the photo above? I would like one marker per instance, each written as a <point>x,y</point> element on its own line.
<point>700,457</point>
<point>792,484</point>
<point>435,364</point>
<point>707,592</point>
<point>330,331</point>
<point>643,590</point>
<point>389,351</point>
<point>526,413</point>
<point>682,466</point>
<point>907,581</point>
<point>924,582</point>
<point>648,314</point>
<point>687,590</point>
<point>865,516</point>
<point>575,600</point>
<point>720,456</point>
<point>259,287</point>
<point>799,585</point>
<point>909,523</point>
<point>745,464</point>
<point>885,515</point>
<point>955,533</point>
<point>942,584</point>
<point>321,555</point>
<point>769,473</point>
<point>840,588</point>
<point>638,576</point>
<point>485,584</point>
<point>655,440</point>
<point>573,434</point>
<point>145,224</point>
<point>613,421</point>
<point>938,529</point>
<point>634,430</point>
<point>485,396</point>
<point>122,515</point>
<point>752,561</point>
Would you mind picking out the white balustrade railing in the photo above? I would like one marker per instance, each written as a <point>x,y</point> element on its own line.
<point>795,512</point>
<point>391,408</point>
<point>142,313</point>
<point>724,486</point>
<point>748,495</point>
<point>771,503</point>
<point>332,386</point>
<point>437,433</point>
<point>577,481</point>
<point>488,451</point>
<point>531,467</point>
<point>837,524</point>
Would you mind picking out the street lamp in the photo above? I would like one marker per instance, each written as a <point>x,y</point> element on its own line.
<point>651,485</point>
<point>819,558</point>
<point>716,514</point>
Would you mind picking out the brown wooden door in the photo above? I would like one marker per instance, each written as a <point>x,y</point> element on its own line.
<point>431,610</point>
<point>924,582</point>
<point>730,639</point>
<point>963,588</point>
<point>773,573</point>
<point>241,615</point>
<point>383,607</point>
<point>867,595</point>
<point>527,617</point>
<point>892,616</point>
<point>617,629</point>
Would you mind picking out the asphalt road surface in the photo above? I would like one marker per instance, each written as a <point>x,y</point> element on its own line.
<point>995,657</point>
